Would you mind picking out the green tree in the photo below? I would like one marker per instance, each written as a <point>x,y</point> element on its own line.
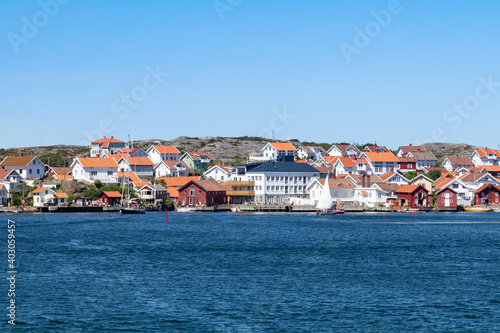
<point>410,175</point>
<point>434,174</point>
<point>98,183</point>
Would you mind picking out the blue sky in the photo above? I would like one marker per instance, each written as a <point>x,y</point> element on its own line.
<point>394,72</point>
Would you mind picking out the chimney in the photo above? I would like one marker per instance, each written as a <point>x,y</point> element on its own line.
<point>363,180</point>
<point>368,183</point>
<point>20,154</point>
<point>112,138</point>
<point>411,144</point>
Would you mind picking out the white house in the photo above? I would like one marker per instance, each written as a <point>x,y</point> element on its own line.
<point>44,196</point>
<point>406,150</point>
<point>278,182</point>
<point>465,193</point>
<point>486,156</point>
<point>142,166</point>
<point>92,169</point>
<point>220,172</point>
<point>163,153</point>
<point>455,162</point>
<point>394,177</point>
<point>28,167</point>
<point>344,165</point>
<point>476,180</point>
<point>10,179</point>
<point>344,150</point>
<point>424,159</point>
<point>341,189</point>
<point>171,168</point>
<point>105,145</point>
<point>381,163</point>
<point>152,192</point>
<point>310,152</point>
<point>378,194</point>
<point>279,151</point>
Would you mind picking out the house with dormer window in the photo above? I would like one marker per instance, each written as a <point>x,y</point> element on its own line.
<point>105,145</point>
<point>483,157</point>
<point>279,152</point>
<point>163,153</point>
<point>28,167</point>
<point>344,150</point>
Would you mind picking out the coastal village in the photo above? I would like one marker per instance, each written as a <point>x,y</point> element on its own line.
<point>281,176</point>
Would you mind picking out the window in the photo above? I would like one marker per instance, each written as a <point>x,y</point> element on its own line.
<point>30,171</point>
<point>191,191</point>
<point>38,172</point>
<point>110,173</point>
<point>93,173</point>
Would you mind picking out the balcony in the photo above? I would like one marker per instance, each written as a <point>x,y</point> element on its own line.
<point>240,183</point>
<point>240,193</point>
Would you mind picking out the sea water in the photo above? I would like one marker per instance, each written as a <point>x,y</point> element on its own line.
<point>226,272</point>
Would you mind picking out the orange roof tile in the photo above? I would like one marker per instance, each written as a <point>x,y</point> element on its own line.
<point>139,161</point>
<point>408,188</point>
<point>280,146</point>
<point>112,194</point>
<point>60,195</point>
<point>178,181</point>
<point>40,189</point>
<point>330,159</point>
<point>381,157</point>
<point>17,161</point>
<point>106,141</point>
<point>173,192</point>
<point>97,162</point>
<point>484,152</point>
<point>63,177</point>
<point>167,149</point>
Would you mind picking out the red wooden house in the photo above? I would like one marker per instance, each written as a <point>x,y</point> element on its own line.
<point>412,196</point>
<point>447,198</point>
<point>488,194</point>
<point>110,198</point>
<point>202,193</point>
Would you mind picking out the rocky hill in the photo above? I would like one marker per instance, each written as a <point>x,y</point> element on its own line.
<point>225,149</point>
<point>441,150</point>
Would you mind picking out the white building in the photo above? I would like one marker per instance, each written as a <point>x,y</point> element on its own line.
<point>92,169</point>
<point>142,166</point>
<point>455,162</point>
<point>220,172</point>
<point>344,150</point>
<point>424,159</point>
<point>482,157</point>
<point>105,145</point>
<point>171,168</point>
<point>28,167</point>
<point>278,151</point>
<point>278,182</point>
<point>310,152</point>
<point>377,195</point>
<point>341,189</point>
<point>465,193</point>
<point>381,163</point>
<point>44,196</point>
<point>163,153</point>
<point>395,177</point>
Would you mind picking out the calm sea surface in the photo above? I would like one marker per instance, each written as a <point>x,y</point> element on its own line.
<point>254,272</point>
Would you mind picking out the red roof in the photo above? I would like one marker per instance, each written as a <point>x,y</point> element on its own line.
<point>485,152</point>
<point>381,157</point>
<point>409,189</point>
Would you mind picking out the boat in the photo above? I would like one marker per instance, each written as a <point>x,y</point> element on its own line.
<point>325,203</point>
<point>478,209</point>
<point>132,210</point>
<point>186,209</point>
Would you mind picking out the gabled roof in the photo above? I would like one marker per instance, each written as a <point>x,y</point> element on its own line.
<point>406,159</point>
<point>410,148</point>
<point>224,168</point>
<point>206,185</point>
<point>421,176</point>
<point>40,189</point>
<point>178,181</point>
<point>490,168</point>
<point>409,189</point>
<point>456,160</point>
<point>4,173</point>
<point>343,148</point>
<point>154,187</point>
<point>381,157</point>
<point>388,175</point>
<point>325,170</point>
<point>166,149</point>
<point>61,170</point>
<point>195,155</point>
<point>392,187</point>
<point>133,160</point>
<point>337,182</point>
<point>330,159</point>
<point>375,149</point>
<point>112,194</point>
<point>17,161</point>
<point>63,177</point>
<point>104,142</point>
<point>173,192</point>
<point>485,152</point>
<point>442,182</point>
<point>347,161</point>
<point>60,195</point>
<point>96,162</point>
<point>423,156</point>
<point>117,156</point>
<point>310,149</point>
<point>485,186</point>
<point>282,146</point>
